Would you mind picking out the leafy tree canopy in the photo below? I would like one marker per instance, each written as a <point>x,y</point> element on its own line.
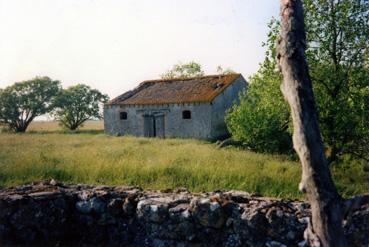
<point>77,104</point>
<point>337,34</point>
<point>261,120</point>
<point>337,53</point>
<point>181,70</point>
<point>21,102</point>
<point>191,69</point>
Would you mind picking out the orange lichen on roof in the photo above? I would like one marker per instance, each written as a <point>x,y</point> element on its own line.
<point>179,90</point>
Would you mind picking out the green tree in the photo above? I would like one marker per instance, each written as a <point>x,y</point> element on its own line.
<point>337,53</point>
<point>338,34</point>
<point>77,104</point>
<point>21,102</point>
<point>261,120</point>
<point>180,70</point>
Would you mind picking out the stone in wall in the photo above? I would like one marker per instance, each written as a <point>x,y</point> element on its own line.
<point>57,214</point>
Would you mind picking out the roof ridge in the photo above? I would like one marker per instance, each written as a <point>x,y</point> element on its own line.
<point>189,78</point>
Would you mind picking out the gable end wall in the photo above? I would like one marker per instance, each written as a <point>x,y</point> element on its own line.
<point>222,103</point>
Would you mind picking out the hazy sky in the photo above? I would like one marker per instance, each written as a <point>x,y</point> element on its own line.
<point>113,45</point>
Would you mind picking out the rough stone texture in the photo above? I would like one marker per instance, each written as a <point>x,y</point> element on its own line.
<point>207,118</point>
<point>56,214</point>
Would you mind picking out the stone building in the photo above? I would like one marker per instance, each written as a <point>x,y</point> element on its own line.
<point>184,107</point>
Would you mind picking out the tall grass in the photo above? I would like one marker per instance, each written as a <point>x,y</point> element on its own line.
<point>155,163</point>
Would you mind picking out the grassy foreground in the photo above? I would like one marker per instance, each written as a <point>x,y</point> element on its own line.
<point>93,157</point>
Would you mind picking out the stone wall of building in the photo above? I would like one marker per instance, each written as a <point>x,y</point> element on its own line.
<point>222,103</point>
<point>56,214</point>
<point>199,126</point>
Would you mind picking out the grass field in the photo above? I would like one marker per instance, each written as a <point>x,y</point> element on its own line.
<point>90,156</point>
<point>49,126</point>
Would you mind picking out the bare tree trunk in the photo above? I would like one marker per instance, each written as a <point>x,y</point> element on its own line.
<point>326,204</point>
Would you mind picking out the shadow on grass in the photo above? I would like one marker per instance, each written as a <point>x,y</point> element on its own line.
<point>71,132</point>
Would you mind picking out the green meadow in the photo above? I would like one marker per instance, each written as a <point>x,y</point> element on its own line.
<point>90,156</point>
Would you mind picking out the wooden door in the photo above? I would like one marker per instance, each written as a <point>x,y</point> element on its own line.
<point>159,125</point>
<point>149,130</point>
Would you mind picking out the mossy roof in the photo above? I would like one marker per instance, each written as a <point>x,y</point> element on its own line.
<point>179,90</point>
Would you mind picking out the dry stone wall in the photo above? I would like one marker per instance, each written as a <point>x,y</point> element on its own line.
<point>56,214</point>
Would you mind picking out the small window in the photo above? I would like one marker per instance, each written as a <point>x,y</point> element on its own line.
<point>186,114</point>
<point>123,115</point>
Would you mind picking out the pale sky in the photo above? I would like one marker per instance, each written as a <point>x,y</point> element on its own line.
<point>113,45</point>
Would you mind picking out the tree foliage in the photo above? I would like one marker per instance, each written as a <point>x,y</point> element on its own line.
<point>261,120</point>
<point>77,104</point>
<point>338,34</point>
<point>21,102</point>
<point>180,70</point>
<point>337,53</point>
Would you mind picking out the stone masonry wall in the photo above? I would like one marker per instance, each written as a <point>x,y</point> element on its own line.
<point>222,103</point>
<point>56,214</point>
<point>199,126</point>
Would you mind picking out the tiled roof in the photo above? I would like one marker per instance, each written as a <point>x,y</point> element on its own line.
<point>181,90</point>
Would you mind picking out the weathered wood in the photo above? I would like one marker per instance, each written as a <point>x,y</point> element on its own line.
<point>326,204</point>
